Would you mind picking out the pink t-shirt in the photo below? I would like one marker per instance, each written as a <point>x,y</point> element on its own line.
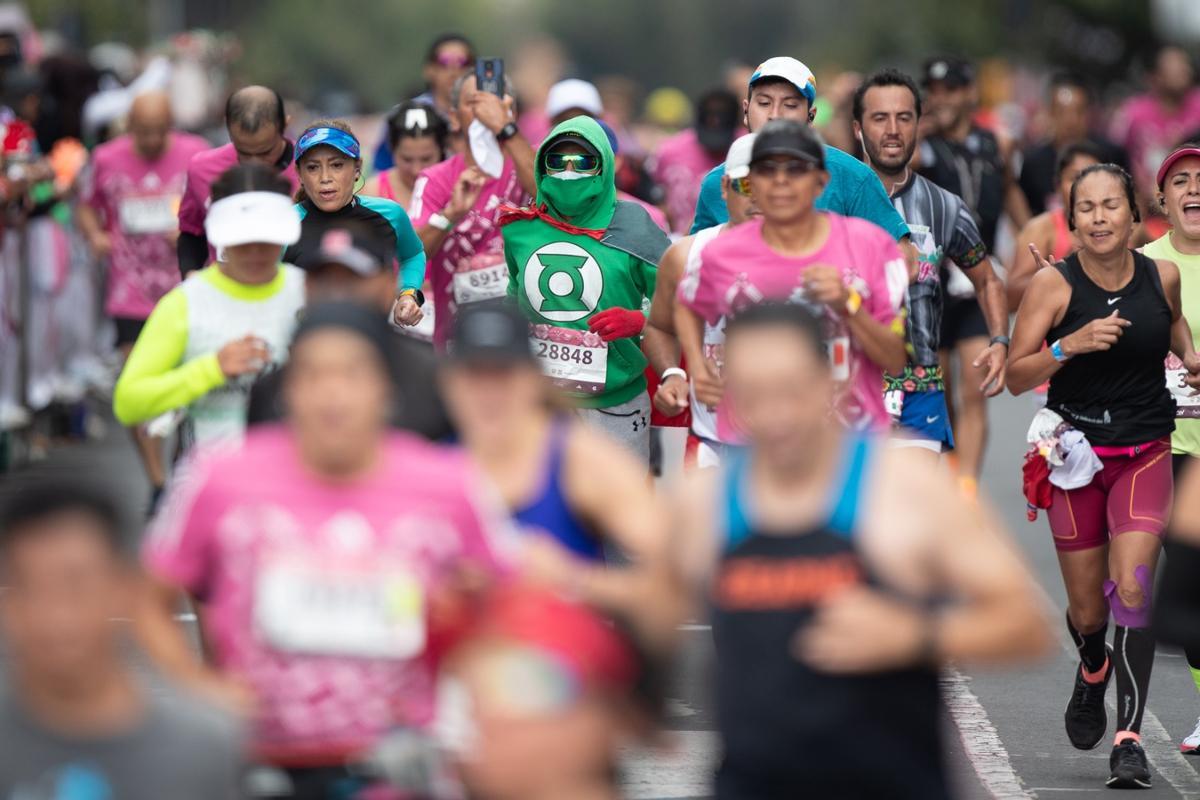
<point>205,168</point>
<point>470,266</point>
<point>738,269</point>
<point>137,201</point>
<point>1150,132</point>
<point>314,592</point>
<point>679,166</point>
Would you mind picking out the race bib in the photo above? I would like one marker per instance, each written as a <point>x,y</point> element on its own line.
<point>485,279</point>
<point>375,611</point>
<point>838,348</point>
<point>150,214</point>
<point>1187,401</point>
<point>576,361</point>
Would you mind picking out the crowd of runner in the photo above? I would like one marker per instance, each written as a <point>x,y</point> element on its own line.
<point>398,389</point>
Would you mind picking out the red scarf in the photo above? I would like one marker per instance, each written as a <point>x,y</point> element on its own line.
<point>513,214</point>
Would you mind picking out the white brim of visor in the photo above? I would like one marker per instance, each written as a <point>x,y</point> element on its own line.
<point>252,217</point>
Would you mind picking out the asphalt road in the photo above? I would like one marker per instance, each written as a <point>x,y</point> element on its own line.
<point>1004,730</point>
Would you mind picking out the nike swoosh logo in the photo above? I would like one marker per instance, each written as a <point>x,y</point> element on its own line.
<point>931,420</point>
<point>1112,300</point>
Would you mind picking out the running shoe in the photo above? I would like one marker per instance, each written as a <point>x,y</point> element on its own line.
<point>1190,746</point>
<point>1085,717</point>
<point>1129,767</point>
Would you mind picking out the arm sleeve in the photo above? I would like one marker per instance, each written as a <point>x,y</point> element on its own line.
<point>966,247</point>
<point>153,380</point>
<point>178,547</point>
<point>192,251</point>
<point>409,251</point>
<point>710,206</point>
<point>871,203</point>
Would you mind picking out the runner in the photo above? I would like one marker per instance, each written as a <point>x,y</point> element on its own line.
<point>315,609</point>
<point>1049,232</point>
<point>783,88</point>
<point>456,208</point>
<point>970,162</point>
<point>823,600</point>
<point>76,717</point>
<point>704,444</point>
<point>210,336</point>
<point>1178,182</point>
<point>848,268</point>
<point>353,264</point>
<point>418,138</point>
<point>449,58</point>
<point>562,479</point>
<point>682,160</point>
<point>257,125</point>
<point>582,269</point>
<point>1111,317</point>
<point>329,160</point>
<point>887,111</point>
<point>127,211</point>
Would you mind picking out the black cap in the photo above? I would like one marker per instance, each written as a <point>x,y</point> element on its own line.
<point>950,70</point>
<point>571,138</point>
<point>353,317</point>
<point>787,137</point>
<point>352,247</point>
<point>491,333</point>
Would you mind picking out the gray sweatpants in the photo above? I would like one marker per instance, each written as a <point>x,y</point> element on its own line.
<point>627,423</point>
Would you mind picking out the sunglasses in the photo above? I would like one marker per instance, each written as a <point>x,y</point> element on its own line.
<point>583,163</point>
<point>741,185</point>
<point>455,61</point>
<point>792,168</point>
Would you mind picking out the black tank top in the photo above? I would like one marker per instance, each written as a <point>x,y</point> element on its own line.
<point>1118,396</point>
<point>789,731</point>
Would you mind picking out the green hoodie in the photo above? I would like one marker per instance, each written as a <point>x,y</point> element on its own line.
<point>561,278</point>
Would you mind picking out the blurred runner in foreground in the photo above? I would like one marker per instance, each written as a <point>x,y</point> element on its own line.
<point>209,337</point>
<point>680,262</point>
<point>842,575</point>
<point>1101,447</point>
<point>887,111</point>
<point>316,551</point>
<point>582,269</point>
<point>1178,182</point>
<point>128,212</point>
<point>77,719</point>
<point>847,268</point>
<point>329,161</point>
<point>572,490</point>
<point>257,122</point>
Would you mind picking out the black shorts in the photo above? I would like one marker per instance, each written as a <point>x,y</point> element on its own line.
<point>962,319</point>
<point>128,329</point>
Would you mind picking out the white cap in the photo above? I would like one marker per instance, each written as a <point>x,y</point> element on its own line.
<point>573,93</point>
<point>790,70</point>
<point>737,162</point>
<point>267,217</point>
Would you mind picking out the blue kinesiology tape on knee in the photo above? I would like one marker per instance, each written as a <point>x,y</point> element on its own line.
<point>1131,617</point>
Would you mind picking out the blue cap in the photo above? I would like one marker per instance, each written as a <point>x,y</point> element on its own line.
<point>336,138</point>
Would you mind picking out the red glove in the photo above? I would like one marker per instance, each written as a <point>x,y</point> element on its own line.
<point>617,323</point>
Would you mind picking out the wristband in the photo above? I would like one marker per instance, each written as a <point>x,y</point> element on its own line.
<point>1004,340</point>
<point>440,221</point>
<point>853,302</point>
<point>507,132</point>
<point>667,373</point>
<point>1057,351</point>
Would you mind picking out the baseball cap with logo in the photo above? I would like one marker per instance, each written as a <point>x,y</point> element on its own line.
<point>950,70</point>
<point>353,248</point>
<point>491,333</point>
<point>790,70</point>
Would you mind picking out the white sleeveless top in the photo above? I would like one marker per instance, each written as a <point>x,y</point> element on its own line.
<point>704,422</point>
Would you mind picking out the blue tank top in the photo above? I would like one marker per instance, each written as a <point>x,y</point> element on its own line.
<point>549,511</point>
<point>788,730</point>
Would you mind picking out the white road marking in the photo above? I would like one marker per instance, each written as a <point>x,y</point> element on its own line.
<point>683,770</point>
<point>980,740</point>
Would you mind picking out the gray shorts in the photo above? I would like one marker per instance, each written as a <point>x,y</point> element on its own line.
<point>628,423</point>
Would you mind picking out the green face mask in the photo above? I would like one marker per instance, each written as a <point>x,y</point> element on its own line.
<point>572,195</point>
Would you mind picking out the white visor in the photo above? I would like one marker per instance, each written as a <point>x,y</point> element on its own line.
<point>267,217</point>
